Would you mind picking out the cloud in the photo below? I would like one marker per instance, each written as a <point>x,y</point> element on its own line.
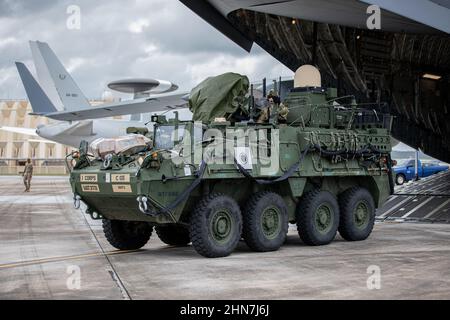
<point>138,26</point>
<point>142,38</point>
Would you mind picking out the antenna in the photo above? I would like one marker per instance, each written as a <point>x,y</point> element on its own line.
<point>251,104</point>
<point>264,88</point>
<point>279,87</point>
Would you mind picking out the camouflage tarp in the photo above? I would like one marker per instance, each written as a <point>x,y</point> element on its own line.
<point>219,96</point>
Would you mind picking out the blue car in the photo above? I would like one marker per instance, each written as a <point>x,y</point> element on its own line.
<point>405,170</point>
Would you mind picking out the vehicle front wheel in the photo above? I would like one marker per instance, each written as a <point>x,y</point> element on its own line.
<point>127,235</point>
<point>357,214</point>
<point>265,221</point>
<point>216,226</point>
<point>400,179</point>
<point>317,217</point>
<point>174,235</point>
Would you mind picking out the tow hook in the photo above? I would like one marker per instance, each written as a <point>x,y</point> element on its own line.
<point>76,201</point>
<point>143,207</point>
<point>107,161</point>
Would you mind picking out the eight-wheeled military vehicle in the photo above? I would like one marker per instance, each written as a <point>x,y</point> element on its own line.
<point>315,160</point>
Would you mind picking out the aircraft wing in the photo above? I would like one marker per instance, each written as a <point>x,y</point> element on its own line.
<point>27,131</point>
<point>42,140</point>
<point>144,105</point>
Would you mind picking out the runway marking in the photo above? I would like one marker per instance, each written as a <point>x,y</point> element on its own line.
<point>418,207</point>
<point>63,258</point>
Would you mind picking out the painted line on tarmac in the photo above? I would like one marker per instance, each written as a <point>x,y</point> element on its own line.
<point>63,258</point>
<point>112,270</point>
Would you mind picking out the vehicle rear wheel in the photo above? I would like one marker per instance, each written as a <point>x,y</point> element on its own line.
<point>265,221</point>
<point>357,214</point>
<point>174,235</point>
<point>400,179</point>
<point>216,226</point>
<point>127,235</point>
<point>317,217</point>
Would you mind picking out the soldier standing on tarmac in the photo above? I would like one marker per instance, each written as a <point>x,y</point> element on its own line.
<point>27,175</point>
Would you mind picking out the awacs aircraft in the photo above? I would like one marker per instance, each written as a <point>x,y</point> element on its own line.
<point>57,96</point>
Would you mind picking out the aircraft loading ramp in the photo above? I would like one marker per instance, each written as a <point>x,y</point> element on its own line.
<point>426,200</point>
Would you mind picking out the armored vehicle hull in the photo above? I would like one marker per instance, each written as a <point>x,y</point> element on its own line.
<point>324,168</point>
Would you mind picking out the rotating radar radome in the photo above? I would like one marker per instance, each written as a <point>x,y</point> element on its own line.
<point>142,87</point>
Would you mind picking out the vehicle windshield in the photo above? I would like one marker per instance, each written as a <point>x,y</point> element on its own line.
<point>405,163</point>
<point>167,136</point>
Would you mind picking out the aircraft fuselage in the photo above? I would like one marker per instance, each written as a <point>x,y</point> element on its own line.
<point>72,133</point>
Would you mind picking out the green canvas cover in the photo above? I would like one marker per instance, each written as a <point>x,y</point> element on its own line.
<point>219,96</point>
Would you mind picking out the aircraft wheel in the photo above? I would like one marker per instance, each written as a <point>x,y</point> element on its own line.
<point>317,217</point>
<point>127,235</point>
<point>216,226</point>
<point>357,214</point>
<point>265,221</point>
<point>174,235</point>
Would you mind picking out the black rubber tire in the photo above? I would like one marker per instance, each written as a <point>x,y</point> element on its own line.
<point>348,201</point>
<point>127,235</point>
<point>174,235</point>
<point>398,180</point>
<point>253,232</point>
<point>306,216</point>
<point>200,229</point>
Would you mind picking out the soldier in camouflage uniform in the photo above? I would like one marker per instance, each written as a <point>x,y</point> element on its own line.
<point>273,110</point>
<point>27,175</point>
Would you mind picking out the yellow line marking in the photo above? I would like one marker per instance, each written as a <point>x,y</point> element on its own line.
<point>63,258</point>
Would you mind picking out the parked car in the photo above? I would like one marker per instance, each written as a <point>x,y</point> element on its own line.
<point>405,170</point>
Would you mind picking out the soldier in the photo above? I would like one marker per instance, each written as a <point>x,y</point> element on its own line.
<point>27,175</point>
<point>277,111</point>
<point>282,113</point>
<point>273,97</point>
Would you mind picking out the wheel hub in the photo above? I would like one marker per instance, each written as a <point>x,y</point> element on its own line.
<point>323,218</point>
<point>221,225</point>
<point>270,222</point>
<point>361,214</point>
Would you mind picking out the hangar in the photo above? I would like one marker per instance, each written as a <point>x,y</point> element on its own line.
<point>405,64</point>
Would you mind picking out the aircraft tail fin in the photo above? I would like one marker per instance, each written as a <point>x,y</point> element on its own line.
<point>39,100</point>
<point>56,80</point>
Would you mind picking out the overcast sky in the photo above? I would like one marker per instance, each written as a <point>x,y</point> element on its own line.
<point>118,39</point>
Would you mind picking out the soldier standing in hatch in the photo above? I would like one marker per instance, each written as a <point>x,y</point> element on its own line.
<point>27,175</point>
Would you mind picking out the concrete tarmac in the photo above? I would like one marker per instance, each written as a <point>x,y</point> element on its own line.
<point>45,244</point>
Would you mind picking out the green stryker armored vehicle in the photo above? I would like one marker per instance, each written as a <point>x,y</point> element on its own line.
<point>244,168</point>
